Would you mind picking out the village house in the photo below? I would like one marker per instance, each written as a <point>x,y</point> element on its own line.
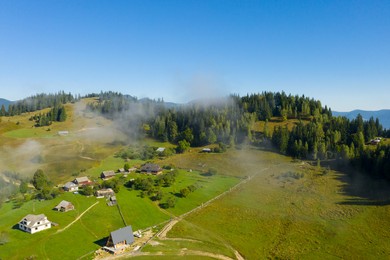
<point>105,175</point>
<point>105,193</point>
<point>119,240</point>
<point>34,223</point>
<point>81,181</point>
<point>70,186</point>
<point>64,206</point>
<point>151,168</point>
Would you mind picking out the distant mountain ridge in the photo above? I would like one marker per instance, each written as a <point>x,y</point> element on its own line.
<point>383,115</point>
<point>5,102</point>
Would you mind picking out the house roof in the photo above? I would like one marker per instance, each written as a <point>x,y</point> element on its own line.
<point>33,219</point>
<point>108,173</point>
<point>123,234</point>
<point>108,190</point>
<point>70,185</point>
<point>63,204</point>
<point>82,179</point>
<point>151,167</point>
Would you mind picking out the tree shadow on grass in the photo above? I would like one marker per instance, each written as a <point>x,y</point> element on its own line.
<point>364,189</point>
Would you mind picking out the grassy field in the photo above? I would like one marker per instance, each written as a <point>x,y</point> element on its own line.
<point>305,215</point>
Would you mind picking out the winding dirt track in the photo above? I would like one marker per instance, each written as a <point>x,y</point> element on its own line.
<point>71,223</point>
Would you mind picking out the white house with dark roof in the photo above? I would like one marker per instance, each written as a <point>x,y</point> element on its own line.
<point>34,223</point>
<point>70,186</point>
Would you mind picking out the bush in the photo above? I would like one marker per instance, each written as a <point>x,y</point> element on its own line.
<point>184,192</point>
<point>169,203</point>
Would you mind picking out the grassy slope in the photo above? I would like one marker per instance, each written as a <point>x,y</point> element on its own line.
<point>279,217</point>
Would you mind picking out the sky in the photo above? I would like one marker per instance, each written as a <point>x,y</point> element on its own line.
<point>334,51</point>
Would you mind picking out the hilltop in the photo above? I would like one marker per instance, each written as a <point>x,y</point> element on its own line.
<point>383,115</point>
<point>5,102</point>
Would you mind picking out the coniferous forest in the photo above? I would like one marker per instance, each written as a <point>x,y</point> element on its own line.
<point>316,136</point>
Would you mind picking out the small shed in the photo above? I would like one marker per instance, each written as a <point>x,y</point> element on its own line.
<point>112,201</point>
<point>160,149</point>
<point>63,133</point>
<point>64,206</point>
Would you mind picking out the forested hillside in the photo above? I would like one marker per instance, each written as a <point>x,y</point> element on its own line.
<point>37,102</point>
<point>317,135</point>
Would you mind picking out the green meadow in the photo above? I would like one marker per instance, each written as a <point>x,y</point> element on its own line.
<point>284,216</point>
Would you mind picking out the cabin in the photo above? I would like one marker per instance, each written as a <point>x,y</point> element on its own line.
<point>70,186</point>
<point>64,206</point>
<point>81,181</point>
<point>206,150</point>
<point>119,240</point>
<point>105,193</point>
<point>34,223</point>
<point>151,168</point>
<point>105,175</point>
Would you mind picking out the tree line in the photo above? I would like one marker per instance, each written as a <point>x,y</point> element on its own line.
<point>38,102</point>
<point>56,114</point>
<point>317,135</point>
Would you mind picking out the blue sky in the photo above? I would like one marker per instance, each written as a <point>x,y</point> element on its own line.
<point>334,51</point>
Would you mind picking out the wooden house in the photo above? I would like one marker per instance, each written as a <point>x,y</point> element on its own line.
<point>105,175</point>
<point>151,168</point>
<point>64,206</point>
<point>82,181</point>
